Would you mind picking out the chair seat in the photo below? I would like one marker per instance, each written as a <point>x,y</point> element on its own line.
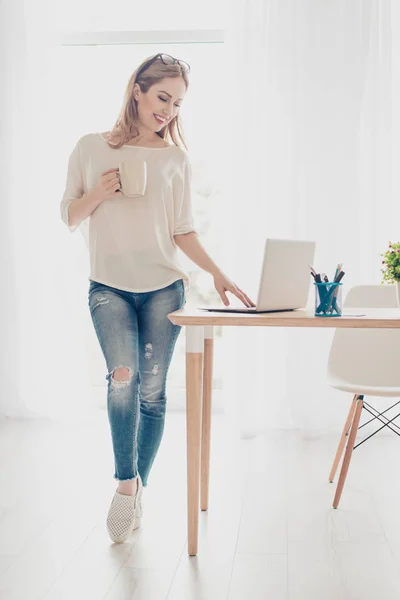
<point>366,390</point>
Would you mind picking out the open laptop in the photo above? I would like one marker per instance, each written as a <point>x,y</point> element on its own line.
<point>285,277</point>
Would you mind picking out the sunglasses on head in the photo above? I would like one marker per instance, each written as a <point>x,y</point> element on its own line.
<point>166,59</point>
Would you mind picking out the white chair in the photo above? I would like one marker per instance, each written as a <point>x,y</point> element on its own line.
<point>364,362</point>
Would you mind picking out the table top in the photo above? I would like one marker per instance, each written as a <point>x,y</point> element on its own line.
<point>383,318</point>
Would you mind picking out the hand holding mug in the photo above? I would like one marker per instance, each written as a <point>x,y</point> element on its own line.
<point>108,186</point>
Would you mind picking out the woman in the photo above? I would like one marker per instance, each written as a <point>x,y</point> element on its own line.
<point>135,276</point>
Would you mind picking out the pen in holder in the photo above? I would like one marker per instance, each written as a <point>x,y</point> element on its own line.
<point>328,299</point>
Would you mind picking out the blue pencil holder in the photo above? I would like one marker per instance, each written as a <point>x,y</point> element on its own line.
<point>328,299</point>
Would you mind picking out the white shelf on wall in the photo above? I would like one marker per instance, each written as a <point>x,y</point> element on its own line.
<point>104,38</point>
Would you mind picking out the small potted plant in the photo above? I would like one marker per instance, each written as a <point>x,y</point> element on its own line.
<point>391,267</point>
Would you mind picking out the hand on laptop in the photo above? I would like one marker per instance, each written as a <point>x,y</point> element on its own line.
<point>223,284</point>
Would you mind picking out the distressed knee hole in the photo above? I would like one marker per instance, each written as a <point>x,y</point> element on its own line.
<point>148,351</point>
<point>120,378</point>
<point>122,374</point>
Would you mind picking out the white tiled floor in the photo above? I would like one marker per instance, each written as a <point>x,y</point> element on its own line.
<point>270,532</point>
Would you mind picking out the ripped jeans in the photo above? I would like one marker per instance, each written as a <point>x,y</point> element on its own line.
<point>134,332</point>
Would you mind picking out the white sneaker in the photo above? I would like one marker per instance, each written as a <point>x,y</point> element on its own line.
<point>124,514</point>
<point>139,508</point>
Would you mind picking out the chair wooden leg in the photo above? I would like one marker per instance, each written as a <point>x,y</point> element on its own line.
<point>342,442</point>
<point>349,451</point>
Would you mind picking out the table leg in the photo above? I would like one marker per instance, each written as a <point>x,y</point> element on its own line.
<point>194,380</point>
<point>206,416</point>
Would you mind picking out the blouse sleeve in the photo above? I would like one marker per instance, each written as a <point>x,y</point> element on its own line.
<point>184,222</point>
<point>74,185</point>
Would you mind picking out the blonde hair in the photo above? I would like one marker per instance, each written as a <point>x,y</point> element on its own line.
<point>125,127</point>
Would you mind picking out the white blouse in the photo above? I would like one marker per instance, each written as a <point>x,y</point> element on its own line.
<point>131,240</point>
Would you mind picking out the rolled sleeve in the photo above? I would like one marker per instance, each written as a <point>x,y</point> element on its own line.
<point>74,187</point>
<point>184,222</point>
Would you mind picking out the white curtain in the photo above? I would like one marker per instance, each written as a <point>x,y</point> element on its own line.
<point>40,315</point>
<point>12,42</point>
<point>313,104</point>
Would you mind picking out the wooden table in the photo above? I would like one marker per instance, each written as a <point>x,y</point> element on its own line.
<point>199,326</point>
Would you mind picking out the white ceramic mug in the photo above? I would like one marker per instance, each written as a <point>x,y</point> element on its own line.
<point>133,176</point>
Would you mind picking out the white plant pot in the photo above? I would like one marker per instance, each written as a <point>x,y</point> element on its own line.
<point>397,284</point>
